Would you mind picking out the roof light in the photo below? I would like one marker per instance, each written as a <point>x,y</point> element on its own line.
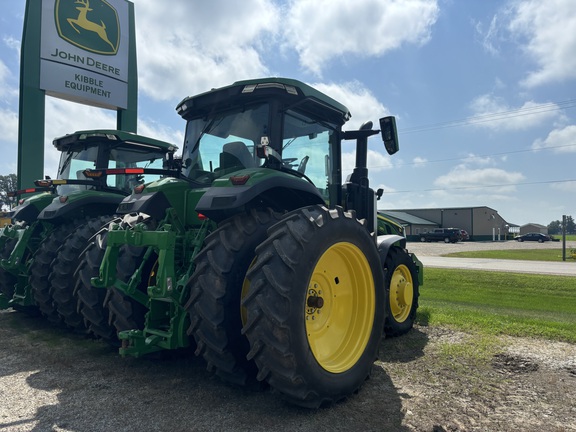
<point>138,189</point>
<point>201,216</point>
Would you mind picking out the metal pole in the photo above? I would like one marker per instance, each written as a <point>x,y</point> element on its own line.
<point>564,238</point>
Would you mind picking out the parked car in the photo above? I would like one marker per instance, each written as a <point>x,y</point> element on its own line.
<point>447,235</point>
<point>539,237</point>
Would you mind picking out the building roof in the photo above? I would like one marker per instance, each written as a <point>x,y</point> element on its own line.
<point>534,225</point>
<point>406,218</point>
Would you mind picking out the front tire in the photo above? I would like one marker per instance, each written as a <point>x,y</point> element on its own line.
<point>401,279</point>
<point>91,299</point>
<point>315,306</point>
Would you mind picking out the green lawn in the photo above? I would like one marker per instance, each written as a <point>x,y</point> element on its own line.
<point>500,303</point>
<point>517,254</point>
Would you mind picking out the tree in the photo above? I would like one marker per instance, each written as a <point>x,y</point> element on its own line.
<point>555,227</point>
<point>7,183</point>
<point>570,225</point>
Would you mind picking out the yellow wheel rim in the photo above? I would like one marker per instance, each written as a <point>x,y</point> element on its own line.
<point>339,309</point>
<point>401,293</point>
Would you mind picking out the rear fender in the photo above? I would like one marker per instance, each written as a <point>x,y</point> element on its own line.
<point>279,192</point>
<point>88,204</point>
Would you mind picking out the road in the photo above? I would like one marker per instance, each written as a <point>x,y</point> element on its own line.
<point>431,256</point>
<point>567,268</point>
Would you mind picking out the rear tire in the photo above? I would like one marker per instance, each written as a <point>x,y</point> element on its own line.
<point>315,306</point>
<point>63,267</point>
<point>41,267</point>
<point>216,291</point>
<point>402,289</point>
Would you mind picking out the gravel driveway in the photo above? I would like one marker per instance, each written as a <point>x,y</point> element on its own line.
<point>430,380</point>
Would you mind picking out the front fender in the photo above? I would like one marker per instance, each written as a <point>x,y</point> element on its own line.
<point>385,242</point>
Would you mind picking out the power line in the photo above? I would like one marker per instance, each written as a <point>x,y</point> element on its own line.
<point>481,187</point>
<point>532,150</point>
<point>497,116</point>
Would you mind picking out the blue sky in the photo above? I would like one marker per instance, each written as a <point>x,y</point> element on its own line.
<point>484,92</point>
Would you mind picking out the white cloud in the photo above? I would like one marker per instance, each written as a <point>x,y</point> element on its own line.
<point>191,47</point>
<point>363,105</point>
<point>377,162</point>
<point>320,30</point>
<point>478,160</point>
<point>419,162</point>
<point>569,186</point>
<point>490,37</point>
<point>494,113</point>
<point>559,140</point>
<point>547,30</point>
<point>64,117</point>
<point>7,92</point>
<point>496,180</point>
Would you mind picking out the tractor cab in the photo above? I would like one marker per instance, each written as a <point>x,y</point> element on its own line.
<point>108,149</point>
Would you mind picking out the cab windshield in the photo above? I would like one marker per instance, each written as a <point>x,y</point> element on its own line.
<point>224,143</point>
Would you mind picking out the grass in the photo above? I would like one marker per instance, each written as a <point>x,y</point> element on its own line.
<point>500,303</point>
<point>516,254</point>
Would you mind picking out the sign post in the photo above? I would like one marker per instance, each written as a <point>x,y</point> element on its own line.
<point>83,51</point>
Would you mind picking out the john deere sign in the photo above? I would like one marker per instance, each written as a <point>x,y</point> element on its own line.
<point>80,50</point>
<point>84,51</point>
<point>99,33</point>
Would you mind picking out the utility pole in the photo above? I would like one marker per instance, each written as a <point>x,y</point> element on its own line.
<point>564,238</point>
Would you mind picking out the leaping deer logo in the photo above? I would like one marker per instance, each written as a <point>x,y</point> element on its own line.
<point>83,22</point>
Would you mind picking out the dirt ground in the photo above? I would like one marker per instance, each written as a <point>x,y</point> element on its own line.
<point>433,379</point>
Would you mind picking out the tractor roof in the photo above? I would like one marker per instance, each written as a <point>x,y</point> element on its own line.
<point>112,137</point>
<point>290,91</point>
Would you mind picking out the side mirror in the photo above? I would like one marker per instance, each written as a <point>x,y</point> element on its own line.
<point>389,134</point>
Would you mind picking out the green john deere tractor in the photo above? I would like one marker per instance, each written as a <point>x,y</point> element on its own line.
<point>39,249</point>
<point>259,251</point>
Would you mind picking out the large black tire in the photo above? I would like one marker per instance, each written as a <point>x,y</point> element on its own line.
<point>41,267</point>
<point>216,290</point>
<point>315,306</point>
<point>91,299</point>
<point>62,277</point>
<point>402,291</point>
<point>7,280</point>
<point>125,313</point>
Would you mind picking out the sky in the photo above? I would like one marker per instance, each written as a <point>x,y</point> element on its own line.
<point>484,91</point>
